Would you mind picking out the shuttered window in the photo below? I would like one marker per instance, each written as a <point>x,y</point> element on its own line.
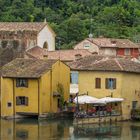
<point>110,83</point>
<point>22,100</point>
<point>74,77</point>
<point>20,82</point>
<point>97,82</point>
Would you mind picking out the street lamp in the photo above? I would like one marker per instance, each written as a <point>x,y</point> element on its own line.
<point>77,107</point>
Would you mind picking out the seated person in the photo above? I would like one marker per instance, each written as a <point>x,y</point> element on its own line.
<point>108,109</point>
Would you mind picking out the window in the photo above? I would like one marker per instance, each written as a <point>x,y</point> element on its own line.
<point>134,104</point>
<point>74,78</point>
<point>113,41</point>
<point>22,134</point>
<point>45,45</point>
<point>110,83</point>
<point>86,45</point>
<point>127,51</point>
<point>21,100</point>
<point>9,104</point>
<point>98,83</point>
<point>78,56</point>
<point>21,82</point>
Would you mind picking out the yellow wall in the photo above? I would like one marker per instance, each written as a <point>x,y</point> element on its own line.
<point>39,92</point>
<point>126,85</point>
<point>60,74</point>
<point>87,83</point>
<point>6,96</point>
<point>45,91</point>
<point>31,92</point>
<point>9,90</point>
<point>130,84</point>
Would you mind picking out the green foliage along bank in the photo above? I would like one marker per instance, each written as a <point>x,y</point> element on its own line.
<point>73,20</point>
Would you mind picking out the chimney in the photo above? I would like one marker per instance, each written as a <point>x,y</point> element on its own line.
<point>90,36</point>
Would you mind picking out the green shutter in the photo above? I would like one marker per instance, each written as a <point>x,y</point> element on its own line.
<point>17,101</point>
<point>114,83</point>
<point>26,101</point>
<point>106,83</point>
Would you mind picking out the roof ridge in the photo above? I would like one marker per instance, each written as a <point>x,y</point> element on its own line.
<point>117,62</point>
<point>102,60</point>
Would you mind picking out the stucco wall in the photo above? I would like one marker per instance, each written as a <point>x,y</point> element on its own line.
<point>60,74</point>
<point>45,93</point>
<point>32,93</point>
<point>87,83</point>
<point>6,96</point>
<point>108,51</point>
<point>46,35</point>
<point>130,91</point>
<point>127,85</point>
<point>92,47</point>
<point>39,92</point>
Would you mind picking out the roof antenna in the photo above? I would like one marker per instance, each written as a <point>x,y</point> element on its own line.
<point>91,34</point>
<point>45,21</point>
<point>59,43</point>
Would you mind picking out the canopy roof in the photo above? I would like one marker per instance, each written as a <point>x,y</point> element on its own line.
<point>111,100</point>
<point>27,68</point>
<point>85,99</point>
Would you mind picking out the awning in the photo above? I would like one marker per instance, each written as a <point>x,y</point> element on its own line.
<point>74,89</point>
<point>56,94</point>
<point>111,100</point>
<point>85,99</point>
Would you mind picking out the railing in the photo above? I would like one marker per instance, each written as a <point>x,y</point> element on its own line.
<point>135,114</point>
<point>97,114</point>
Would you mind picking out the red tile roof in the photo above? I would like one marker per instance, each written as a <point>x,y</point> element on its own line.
<point>37,52</point>
<point>63,55</point>
<point>105,63</point>
<point>22,26</point>
<point>26,68</point>
<point>67,55</point>
<point>111,42</point>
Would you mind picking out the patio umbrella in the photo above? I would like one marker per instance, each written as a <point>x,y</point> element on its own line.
<point>111,100</point>
<point>85,99</point>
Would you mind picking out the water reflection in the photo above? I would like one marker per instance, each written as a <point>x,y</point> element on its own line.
<point>65,130</point>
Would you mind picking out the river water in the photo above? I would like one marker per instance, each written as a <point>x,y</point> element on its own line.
<point>32,129</point>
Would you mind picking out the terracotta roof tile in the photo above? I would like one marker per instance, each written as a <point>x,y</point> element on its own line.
<point>67,55</point>
<point>112,42</point>
<point>21,26</point>
<point>28,68</point>
<point>105,63</point>
<point>37,52</point>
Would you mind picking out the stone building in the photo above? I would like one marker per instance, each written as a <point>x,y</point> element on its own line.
<point>110,47</point>
<point>18,37</point>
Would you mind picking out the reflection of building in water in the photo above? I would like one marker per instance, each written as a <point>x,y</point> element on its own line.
<point>98,131</point>
<point>45,130</point>
<point>6,130</point>
<point>121,131</point>
<point>33,130</point>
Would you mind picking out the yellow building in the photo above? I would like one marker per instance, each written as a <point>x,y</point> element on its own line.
<point>32,86</point>
<point>100,77</point>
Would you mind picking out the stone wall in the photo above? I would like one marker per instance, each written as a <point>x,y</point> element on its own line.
<point>13,44</point>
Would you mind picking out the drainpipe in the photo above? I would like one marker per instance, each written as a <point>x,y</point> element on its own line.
<point>50,91</point>
<point>0,95</point>
<point>14,113</point>
<point>38,98</point>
